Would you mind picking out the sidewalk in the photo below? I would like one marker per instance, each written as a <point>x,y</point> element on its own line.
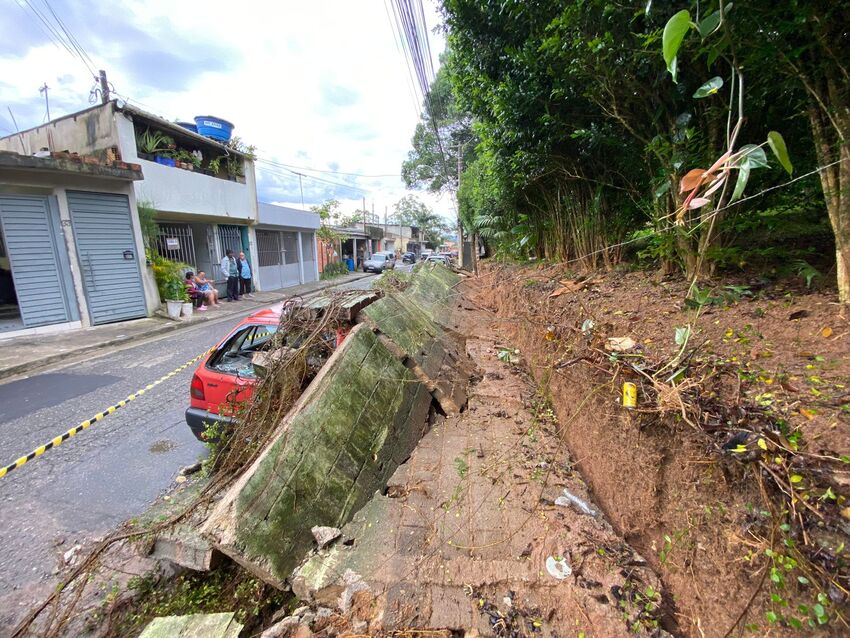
<point>24,354</point>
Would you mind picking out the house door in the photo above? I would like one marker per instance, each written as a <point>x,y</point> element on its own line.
<point>36,257</point>
<point>269,259</point>
<point>106,246</point>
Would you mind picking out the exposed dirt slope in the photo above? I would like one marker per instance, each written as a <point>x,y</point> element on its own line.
<point>461,541</point>
<point>680,483</point>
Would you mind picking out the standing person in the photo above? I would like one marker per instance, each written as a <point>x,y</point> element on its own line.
<point>231,273</point>
<point>244,276</point>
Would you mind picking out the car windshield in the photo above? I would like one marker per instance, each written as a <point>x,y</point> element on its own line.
<point>236,354</point>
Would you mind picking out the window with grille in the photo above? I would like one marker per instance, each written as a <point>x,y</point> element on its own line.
<point>229,236</point>
<point>268,248</point>
<point>175,242</point>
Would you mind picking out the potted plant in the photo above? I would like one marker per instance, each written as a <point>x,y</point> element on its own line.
<point>149,143</point>
<point>234,168</point>
<point>175,296</point>
<point>214,166</point>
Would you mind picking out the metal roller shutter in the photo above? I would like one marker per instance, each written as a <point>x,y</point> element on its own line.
<point>32,245</point>
<point>106,247</point>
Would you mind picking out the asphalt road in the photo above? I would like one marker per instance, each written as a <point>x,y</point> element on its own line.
<point>106,474</point>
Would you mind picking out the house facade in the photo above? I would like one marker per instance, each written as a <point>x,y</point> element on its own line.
<point>70,249</point>
<point>203,192</point>
<point>287,251</point>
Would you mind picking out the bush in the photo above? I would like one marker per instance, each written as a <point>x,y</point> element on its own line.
<point>169,277</point>
<point>334,270</point>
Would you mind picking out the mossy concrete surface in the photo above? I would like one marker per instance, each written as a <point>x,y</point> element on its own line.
<point>359,419</point>
<point>193,626</point>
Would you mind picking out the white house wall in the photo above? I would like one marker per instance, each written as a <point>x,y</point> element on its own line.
<point>175,190</point>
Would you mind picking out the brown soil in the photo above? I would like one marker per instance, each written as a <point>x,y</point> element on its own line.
<point>681,499</point>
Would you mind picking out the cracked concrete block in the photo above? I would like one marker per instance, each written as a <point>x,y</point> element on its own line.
<point>359,419</point>
<point>186,548</point>
<point>337,446</point>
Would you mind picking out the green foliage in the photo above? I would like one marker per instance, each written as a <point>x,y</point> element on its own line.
<point>411,211</point>
<point>170,276</point>
<point>805,270</point>
<point>334,269</point>
<point>580,141</point>
<point>227,588</point>
<point>147,221</point>
<point>153,142</point>
<point>674,33</point>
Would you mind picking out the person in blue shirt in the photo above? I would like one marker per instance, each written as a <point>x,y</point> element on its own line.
<point>244,275</point>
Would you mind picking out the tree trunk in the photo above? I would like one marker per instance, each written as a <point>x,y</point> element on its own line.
<point>832,145</point>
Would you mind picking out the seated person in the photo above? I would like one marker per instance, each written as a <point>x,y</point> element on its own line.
<point>194,292</point>
<point>205,285</point>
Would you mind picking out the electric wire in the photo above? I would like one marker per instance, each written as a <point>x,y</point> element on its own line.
<point>59,34</point>
<point>319,170</point>
<point>72,38</point>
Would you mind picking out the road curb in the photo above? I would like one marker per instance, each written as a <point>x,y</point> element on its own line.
<point>28,366</point>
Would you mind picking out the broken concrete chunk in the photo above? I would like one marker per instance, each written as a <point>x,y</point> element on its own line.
<point>289,627</point>
<point>325,535</point>
<point>620,344</point>
<point>193,626</point>
<point>70,556</point>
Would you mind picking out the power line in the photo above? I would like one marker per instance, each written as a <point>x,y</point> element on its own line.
<point>319,170</point>
<point>59,34</point>
<point>289,172</point>
<point>84,56</point>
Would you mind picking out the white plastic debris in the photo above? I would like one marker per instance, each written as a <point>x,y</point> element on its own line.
<point>569,498</point>
<point>558,567</point>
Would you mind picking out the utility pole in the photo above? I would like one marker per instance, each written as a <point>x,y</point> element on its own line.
<point>457,199</point>
<point>104,88</point>
<point>301,186</point>
<point>43,89</point>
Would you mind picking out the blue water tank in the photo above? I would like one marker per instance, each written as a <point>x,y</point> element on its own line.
<point>188,125</point>
<point>214,127</point>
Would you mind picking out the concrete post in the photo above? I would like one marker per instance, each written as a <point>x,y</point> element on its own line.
<point>71,248</point>
<point>300,259</point>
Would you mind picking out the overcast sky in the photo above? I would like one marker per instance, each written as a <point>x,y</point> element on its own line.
<point>319,84</point>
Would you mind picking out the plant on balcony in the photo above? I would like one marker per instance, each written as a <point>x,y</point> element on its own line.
<point>186,160</point>
<point>239,146</point>
<point>234,167</point>
<point>153,143</point>
<point>214,165</point>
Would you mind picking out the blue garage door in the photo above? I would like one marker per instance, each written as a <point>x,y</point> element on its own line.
<point>32,237</point>
<point>106,246</point>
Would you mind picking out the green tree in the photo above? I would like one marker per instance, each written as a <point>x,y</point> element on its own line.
<point>411,211</point>
<point>443,134</point>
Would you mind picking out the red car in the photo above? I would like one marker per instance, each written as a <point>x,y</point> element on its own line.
<point>226,374</point>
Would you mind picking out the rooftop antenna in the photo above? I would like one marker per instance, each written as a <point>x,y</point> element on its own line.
<point>43,89</point>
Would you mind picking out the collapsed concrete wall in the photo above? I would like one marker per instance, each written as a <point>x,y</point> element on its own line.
<point>359,419</point>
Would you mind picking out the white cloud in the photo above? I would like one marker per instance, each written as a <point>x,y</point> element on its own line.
<point>316,84</point>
